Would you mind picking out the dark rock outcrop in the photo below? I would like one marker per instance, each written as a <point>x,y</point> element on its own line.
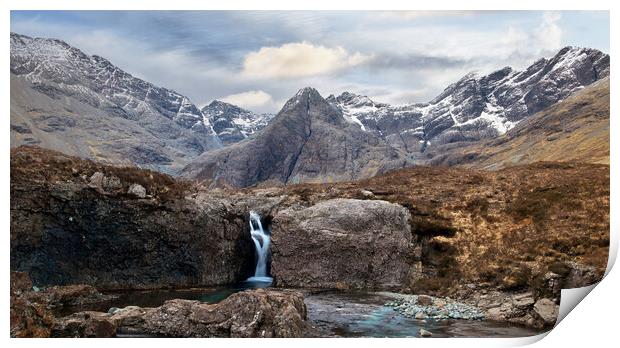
<point>342,243</point>
<point>309,140</point>
<point>65,231</point>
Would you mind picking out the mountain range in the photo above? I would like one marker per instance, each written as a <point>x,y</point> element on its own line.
<point>83,105</point>
<point>66,100</point>
<point>477,107</point>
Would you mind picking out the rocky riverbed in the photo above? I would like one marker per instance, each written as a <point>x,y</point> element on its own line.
<point>423,307</point>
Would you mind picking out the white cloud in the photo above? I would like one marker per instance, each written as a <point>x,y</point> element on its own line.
<point>409,15</point>
<point>550,33</point>
<point>250,100</point>
<point>299,59</point>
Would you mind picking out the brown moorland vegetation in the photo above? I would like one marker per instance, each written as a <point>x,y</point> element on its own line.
<point>503,228</point>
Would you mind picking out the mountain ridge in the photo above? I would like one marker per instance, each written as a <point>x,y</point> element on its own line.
<point>64,99</point>
<point>478,106</point>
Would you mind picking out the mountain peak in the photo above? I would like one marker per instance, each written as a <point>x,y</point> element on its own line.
<point>305,96</point>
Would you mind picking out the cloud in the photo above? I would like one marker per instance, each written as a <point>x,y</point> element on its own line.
<point>409,15</point>
<point>250,100</point>
<point>299,59</point>
<point>550,33</point>
<point>396,57</point>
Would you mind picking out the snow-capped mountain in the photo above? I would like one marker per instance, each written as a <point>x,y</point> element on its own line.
<point>309,140</point>
<point>64,99</point>
<point>232,123</point>
<point>478,107</point>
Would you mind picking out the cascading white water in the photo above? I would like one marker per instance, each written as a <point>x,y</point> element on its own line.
<point>261,242</point>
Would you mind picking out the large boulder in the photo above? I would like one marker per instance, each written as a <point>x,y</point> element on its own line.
<point>342,243</point>
<point>254,313</point>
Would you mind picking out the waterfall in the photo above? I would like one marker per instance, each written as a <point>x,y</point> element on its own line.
<point>261,242</point>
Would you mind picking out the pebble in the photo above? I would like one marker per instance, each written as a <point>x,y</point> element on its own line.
<point>424,333</point>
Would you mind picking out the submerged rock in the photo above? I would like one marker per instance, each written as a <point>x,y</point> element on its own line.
<point>342,243</point>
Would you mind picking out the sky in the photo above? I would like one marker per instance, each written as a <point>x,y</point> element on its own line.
<point>259,59</point>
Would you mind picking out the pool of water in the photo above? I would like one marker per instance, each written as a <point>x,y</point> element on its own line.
<point>359,314</point>
<point>332,313</point>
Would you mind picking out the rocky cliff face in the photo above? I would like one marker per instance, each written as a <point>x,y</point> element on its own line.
<point>232,123</point>
<point>308,141</point>
<point>66,100</point>
<point>79,223</point>
<point>478,107</point>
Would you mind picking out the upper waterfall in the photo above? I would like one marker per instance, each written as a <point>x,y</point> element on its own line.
<point>261,240</point>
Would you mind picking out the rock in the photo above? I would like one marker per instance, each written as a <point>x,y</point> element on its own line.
<point>20,282</point>
<point>424,300</point>
<point>420,315</point>
<point>524,301</point>
<point>96,180</point>
<point>111,183</point>
<point>581,275</point>
<point>424,333</point>
<point>84,324</point>
<point>252,313</point>
<point>68,296</point>
<point>137,190</point>
<point>547,311</point>
<point>113,310</point>
<point>30,319</point>
<point>129,318</point>
<point>367,194</point>
<point>362,243</point>
<point>440,303</point>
